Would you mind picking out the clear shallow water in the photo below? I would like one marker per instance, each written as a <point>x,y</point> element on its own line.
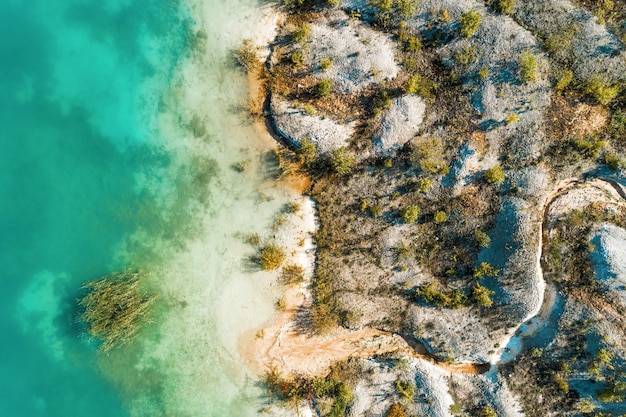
<point>101,170</point>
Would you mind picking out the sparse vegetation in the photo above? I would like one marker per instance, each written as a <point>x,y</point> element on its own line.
<point>470,22</point>
<point>271,257</point>
<point>342,162</point>
<point>495,175</point>
<point>410,214</point>
<point>292,274</point>
<point>114,308</point>
<point>247,54</point>
<point>450,299</point>
<point>603,92</point>
<point>527,67</point>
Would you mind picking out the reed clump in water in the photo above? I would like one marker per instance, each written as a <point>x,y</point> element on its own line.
<point>114,308</point>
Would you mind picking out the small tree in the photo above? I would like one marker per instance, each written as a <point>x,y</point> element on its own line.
<point>341,161</point>
<point>495,175</point>
<point>527,67</point>
<point>246,55</point>
<point>482,295</point>
<point>410,214</point>
<point>324,87</point>
<point>440,217</point>
<point>482,239</point>
<point>307,152</point>
<point>470,22</point>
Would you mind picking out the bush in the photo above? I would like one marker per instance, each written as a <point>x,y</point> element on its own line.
<point>470,22</point>
<point>307,152</point>
<point>527,67</point>
<point>511,118</point>
<point>482,239</point>
<point>324,87</point>
<point>488,412</point>
<point>466,56</point>
<point>326,63</point>
<point>342,162</point>
<point>613,160</point>
<point>495,175</point>
<point>410,214</point>
<point>421,86</point>
<point>271,257</point>
<point>381,101</point>
<point>485,269</point>
<point>564,79</point>
<point>505,6</point>
<point>440,217</point>
<point>603,92</point>
<point>114,308</point>
<point>332,3</point>
<point>396,410</point>
<point>246,55</point>
<point>302,32</point>
<point>406,389</point>
<point>381,5</point>
<point>297,58</point>
<point>424,184</point>
<point>407,8</point>
<point>482,296</point>
<point>455,409</point>
<point>589,147</point>
<point>617,125</point>
<point>428,154</point>
<point>413,44</point>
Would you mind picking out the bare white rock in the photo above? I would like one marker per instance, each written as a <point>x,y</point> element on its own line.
<point>294,124</point>
<point>360,56</point>
<point>400,123</point>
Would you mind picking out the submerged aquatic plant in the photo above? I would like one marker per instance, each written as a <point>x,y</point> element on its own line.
<point>114,308</point>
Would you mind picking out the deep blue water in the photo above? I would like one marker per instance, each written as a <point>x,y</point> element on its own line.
<point>75,130</point>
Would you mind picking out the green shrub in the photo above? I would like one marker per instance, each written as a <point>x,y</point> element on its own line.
<point>613,160</point>
<point>271,257</point>
<point>482,239</point>
<point>297,58</point>
<point>564,79</point>
<point>307,152</point>
<point>589,147</point>
<point>603,92</point>
<point>440,217</point>
<point>332,3</point>
<point>450,299</point>
<point>604,356</point>
<point>586,406</point>
<point>421,86</point>
<point>342,162</point>
<point>495,175</point>
<point>455,409</point>
<point>246,54</point>
<point>505,6</point>
<point>527,67</point>
<point>428,154</point>
<point>381,101</point>
<point>488,412</point>
<point>406,389</point>
<point>424,184</point>
<point>410,214</point>
<point>466,56</point>
<point>381,5</point>
<point>324,87</point>
<point>407,8</point>
<point>114,308</point>
<point>617,125</point>
<point>326,63</point>
<point>511,118</point>
<point>482,295</point>
<point>302,32</point>
<point>470,22</point>
<point>413,44</point>
<point>483,73</point>
<point>485,269</point>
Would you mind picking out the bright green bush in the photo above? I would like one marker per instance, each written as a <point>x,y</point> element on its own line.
<point>440,217</point>
<point>324,87</point>
<point>326,63</point>
<point>470,22</point>
<point>495,175</point>
<point>342,162</point>
<point>482,295</point>
<point>603,92</point>
<point>527,67</point>
<point>410,214</point>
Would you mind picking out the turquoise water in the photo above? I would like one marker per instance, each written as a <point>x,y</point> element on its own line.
<point>99,171</point>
